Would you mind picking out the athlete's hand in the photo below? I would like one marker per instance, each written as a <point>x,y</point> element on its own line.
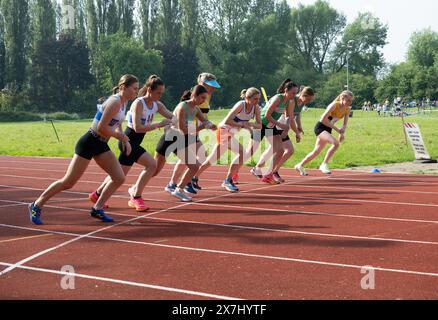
<point>128,148</point>
<point>341,131</point>
<point>298,138</point>
<point>341,138</point>
<point>123,137</point>
<point>165,122</point>
<point>301,130</point>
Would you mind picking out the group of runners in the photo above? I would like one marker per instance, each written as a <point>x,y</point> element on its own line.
<point>280,115</point>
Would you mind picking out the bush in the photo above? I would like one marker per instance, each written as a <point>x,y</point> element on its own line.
<point>23,116</point>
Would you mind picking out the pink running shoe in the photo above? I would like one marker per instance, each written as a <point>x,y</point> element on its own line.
<point>138,204</point>
<point>94,197</point>
<point>269,179</point>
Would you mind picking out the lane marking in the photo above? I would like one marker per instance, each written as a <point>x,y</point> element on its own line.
<point>123,282</point>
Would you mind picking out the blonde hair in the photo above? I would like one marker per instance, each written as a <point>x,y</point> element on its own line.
<point>346,93</point>
<point>205,76</point>
<point>249,93</point>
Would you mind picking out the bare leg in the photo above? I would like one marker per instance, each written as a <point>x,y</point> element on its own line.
<point>108,162</point>
<point>125,169</point>
<point>288,151</point>
<point>331,151</point>
<point>321,142</point>
<point>217,152</point>
<point>235,167</point>
<point>75,170</point>
<point>160,161</point>
<point>150,167</point>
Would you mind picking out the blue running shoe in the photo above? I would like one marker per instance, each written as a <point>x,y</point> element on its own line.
<point>230,186</point>
<point>34,214</point>
<point>100,214</point>
<point>195,183</point>
<point>170,188</point>
<point>189,189</point>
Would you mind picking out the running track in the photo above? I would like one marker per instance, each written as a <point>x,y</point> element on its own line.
<point>306,239</point>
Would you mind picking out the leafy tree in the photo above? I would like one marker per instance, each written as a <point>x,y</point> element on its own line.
<point>423,48</point>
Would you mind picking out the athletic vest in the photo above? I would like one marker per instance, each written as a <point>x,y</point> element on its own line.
<point>147,115</point>
<point>117,119</point>
<point>281,108</point>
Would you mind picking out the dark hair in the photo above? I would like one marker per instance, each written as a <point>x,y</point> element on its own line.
<point>152,82</point>
<point>286,86</point>
<point>307,92</point>
<point>195,91</point>
<point>126,80</point>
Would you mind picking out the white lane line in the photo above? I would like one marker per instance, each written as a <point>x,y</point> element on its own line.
<point>300,212</point>
<point>65,161</point>
<point>123,282</point>
<point>343,200</point>
<point>243,227</point>
<point>268,257</point>
<point>36,255</point>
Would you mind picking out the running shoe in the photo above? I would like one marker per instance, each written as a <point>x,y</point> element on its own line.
<point>256,173</point>
<point>301,170</point>
<point>229,186</point>
<point>94,197</point>
<point>181,195</point>
<point>236,178</point>
<point>189,189</point>
<point>170,187</point>
<point>100,215</point>
<point>278,178</point>
<point>195,183</point>
<point>269,178</point>
<point>138,204</point>
<point>325,168</point>
<point>34,214</point>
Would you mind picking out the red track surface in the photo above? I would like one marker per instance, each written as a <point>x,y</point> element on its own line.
<point>306,239</point>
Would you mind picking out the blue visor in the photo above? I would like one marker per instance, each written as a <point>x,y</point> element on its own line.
<point>213,83</point>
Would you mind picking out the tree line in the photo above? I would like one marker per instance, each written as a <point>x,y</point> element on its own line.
<point>63,55</point>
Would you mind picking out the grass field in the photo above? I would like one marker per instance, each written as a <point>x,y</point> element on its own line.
<point>370,140</point>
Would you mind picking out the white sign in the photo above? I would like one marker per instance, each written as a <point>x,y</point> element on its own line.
<point>414,134</point>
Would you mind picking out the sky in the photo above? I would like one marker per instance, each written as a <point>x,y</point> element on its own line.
<point>403,18</point>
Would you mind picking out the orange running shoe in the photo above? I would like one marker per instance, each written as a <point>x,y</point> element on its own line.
<point>138,204</point>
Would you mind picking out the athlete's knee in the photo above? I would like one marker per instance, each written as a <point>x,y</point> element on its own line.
<point>67,184</point>
<point>118,179</point>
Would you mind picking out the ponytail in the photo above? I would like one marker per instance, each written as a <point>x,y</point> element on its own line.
<point>186,96</point>
<point>286,85</point>
<point>195,91</point>
<point>126,80</point>
<point>249,93</point>
<point>152,82</point>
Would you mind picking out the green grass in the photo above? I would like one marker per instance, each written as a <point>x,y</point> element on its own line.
<point>370,140</point>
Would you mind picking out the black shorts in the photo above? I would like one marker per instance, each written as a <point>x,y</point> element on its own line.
<point>321,127</point>
<point>136,153</point>
<point>265,131</point>
<point>91,145</point>
<point>173,143</point>
<point>205,111</point>
<point>287,138</point>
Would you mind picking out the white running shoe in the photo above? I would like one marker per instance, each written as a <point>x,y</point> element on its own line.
<point>181,195</point>
<point>301,170</point>
<point>325,168</point>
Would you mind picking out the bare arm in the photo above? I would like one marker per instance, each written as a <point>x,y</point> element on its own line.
<point>271,109</point>
<point>229,120</point>
<point>104,129</point>
<point>290,115</point>
<point>325,117</point>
